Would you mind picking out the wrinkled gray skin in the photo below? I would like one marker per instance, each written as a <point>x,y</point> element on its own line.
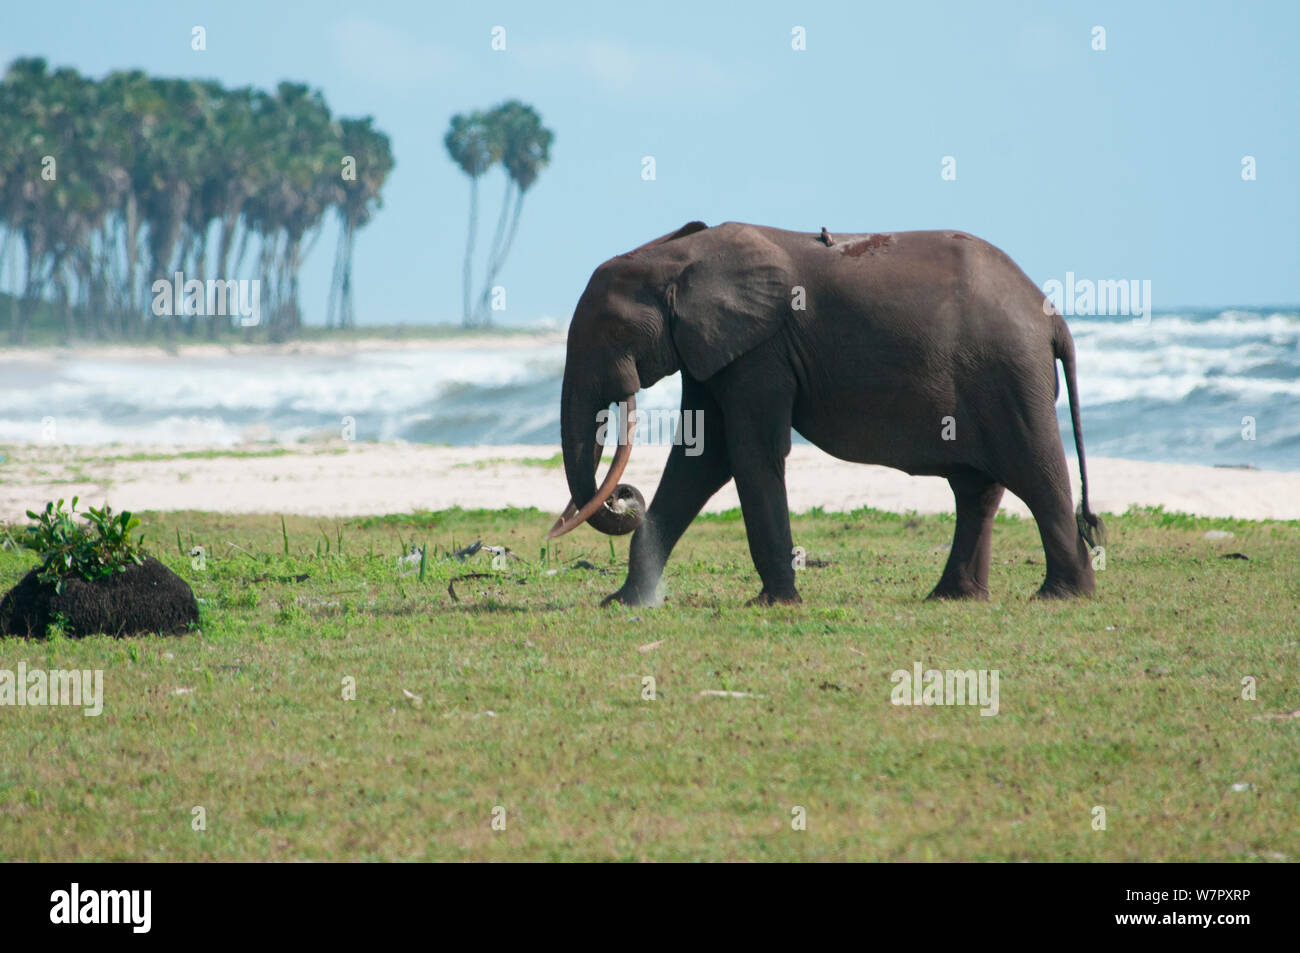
<point>898,332</point>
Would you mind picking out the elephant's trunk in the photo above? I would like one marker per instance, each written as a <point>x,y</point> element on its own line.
<point>612,509</point>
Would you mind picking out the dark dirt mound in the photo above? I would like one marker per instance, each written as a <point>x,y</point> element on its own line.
<point>148,597</point>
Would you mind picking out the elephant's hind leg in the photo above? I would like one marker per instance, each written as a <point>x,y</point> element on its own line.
<point>1047,494</point>
<point>966,576</point>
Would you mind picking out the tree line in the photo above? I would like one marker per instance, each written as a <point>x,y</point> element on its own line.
<point>109,185</point>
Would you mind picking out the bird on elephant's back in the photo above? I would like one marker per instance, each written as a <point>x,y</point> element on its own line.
<point>930,352</point>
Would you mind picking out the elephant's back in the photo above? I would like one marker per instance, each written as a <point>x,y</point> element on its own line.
<point>925,286</point>
<point>912,326</point>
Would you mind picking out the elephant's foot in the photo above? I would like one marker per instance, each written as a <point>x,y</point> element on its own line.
<point>959,589</point>
<point>1062,589</point>
<point>629,596</point>
<point>766,598</point>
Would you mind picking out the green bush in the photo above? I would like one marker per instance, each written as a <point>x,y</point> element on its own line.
<point>93,551</point>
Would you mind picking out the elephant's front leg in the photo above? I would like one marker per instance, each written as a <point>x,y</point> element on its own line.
<point>758,439</point>
<point>696,470</point>
<point>767,525</point>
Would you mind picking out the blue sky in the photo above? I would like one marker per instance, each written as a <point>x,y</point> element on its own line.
<point>1117,164</point>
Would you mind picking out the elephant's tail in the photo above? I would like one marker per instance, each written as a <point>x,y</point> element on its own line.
<point>1091,527</point>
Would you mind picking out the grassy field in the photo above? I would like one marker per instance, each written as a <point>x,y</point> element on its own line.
<point>521,694</point>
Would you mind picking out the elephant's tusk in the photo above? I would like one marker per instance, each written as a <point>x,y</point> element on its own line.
<point>569,519</point>
<point>564,517</point>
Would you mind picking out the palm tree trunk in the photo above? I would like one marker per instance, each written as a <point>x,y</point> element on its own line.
<point>494,252</point>
<point>348,317</point>
<point>332,303</point>
<point>201,273</point>
<point>484,314</point>
<point>129,299</point>
<point>468,316</point>
<point>224,244</point>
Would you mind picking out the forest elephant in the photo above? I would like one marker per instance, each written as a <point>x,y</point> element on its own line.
<point>930,352</point>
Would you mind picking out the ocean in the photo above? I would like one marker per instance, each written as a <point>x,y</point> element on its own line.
<point>1182,388</point>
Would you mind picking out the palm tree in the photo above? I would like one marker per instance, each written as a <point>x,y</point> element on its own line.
<point>475,145</point>
<point>236,175</point>
<point>167,174</point>
<point>312,187</point>
<point>373,156</point>
<point>14,171</point>
<point>526,150</point>
<point>10,162</point>
<point>74,203</point>
<point>130,110</point>
<point>24,102</point>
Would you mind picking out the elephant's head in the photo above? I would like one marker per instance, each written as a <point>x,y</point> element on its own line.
<point>695,299</point>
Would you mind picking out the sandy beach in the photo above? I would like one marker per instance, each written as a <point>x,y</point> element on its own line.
<point>340,478</point>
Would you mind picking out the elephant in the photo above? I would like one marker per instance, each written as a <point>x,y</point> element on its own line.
<point>927,351</point>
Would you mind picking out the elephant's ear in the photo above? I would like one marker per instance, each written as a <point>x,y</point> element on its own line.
<point>728,301</point>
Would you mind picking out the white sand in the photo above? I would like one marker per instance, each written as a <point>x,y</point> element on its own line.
<point>353,479</point>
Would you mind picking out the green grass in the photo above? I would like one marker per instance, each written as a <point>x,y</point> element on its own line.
<point>213,454</point>
<point>529,697</point>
